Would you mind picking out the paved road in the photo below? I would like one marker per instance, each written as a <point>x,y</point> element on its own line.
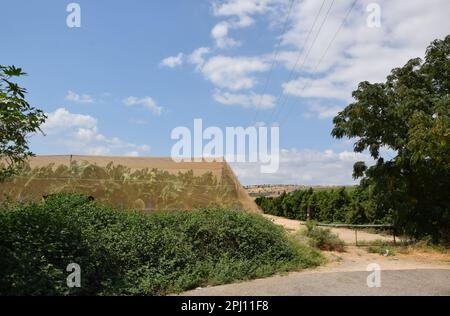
<point>393,282</point>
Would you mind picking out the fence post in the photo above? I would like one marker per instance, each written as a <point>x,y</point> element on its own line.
<point>393,233</point>
<point>356,236</point>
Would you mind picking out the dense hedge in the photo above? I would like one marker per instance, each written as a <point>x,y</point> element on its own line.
<point>350,205</point>
<point>129,253</point>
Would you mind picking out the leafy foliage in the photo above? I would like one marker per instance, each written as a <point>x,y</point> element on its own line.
<point>323,238</point>
<point>17,120</point>
<point>351,205</point>
<point>410,115</point>
<point>131,253</point>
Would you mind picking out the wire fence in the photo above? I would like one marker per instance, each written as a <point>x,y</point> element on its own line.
<point>356,227</point>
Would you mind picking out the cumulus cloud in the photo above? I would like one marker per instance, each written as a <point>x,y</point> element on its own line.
<point>251,100</point>
<point>62,119</point>
<point>359,52</point>
<point>77,98</point>
<point>173,61</point>
<point>240,8</point>
<point>220,35</point>
<point>197,56</point>
<point>146,102</point>
<point>79,133</point>
<point>234,73</point>
<point>308,167</point>
<point>239,15</point>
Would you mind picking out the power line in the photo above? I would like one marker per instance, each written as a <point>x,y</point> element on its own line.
<point>323,56</point>
<point>299,55</point>
<point>286,97</point>
<point>275,56</point>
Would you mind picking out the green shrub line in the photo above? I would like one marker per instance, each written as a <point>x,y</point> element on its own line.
<point>347,205</point>
<point>132,253</point>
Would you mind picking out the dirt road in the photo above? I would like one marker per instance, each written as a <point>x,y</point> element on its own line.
<point>347,235</point>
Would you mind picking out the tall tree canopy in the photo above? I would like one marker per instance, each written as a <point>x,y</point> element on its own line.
<point>410,115</point>
<point>17,120</point>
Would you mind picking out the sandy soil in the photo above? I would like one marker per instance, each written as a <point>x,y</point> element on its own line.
<point>347,235</point>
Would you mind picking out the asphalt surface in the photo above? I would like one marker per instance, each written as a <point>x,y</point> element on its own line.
<point>423,282</point>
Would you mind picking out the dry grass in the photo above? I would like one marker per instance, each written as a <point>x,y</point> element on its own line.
<point>421,250</point>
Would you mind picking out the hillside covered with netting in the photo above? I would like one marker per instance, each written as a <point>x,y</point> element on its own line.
<point>149,184</point>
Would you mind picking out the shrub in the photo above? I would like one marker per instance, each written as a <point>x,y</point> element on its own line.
<point>382,248</point>
<point>131,253</point>
<point>407,247</point>
<point>323,239</point>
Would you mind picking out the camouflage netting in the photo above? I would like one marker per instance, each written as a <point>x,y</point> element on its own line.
<point>140,183</point>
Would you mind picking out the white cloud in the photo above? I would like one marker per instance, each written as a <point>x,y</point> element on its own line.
<point>359,52</point>
<point>146,102</point>
<point>220,35</point>
<point>251,100</point>
<point>77,98</point>
<point>308,167</point>
<point>173,61</point>
<point>240,8</point>
<point>196,57</point>
<point>88,135</point>
<point>79,133</point>
<point>239,14</point>
<point>63,119</point>
<point>322,111</point>
<point>234,73</point>
<point>319,88</point>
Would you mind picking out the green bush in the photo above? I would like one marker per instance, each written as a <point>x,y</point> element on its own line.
<point>323,239</point>
<point>131,253</point>
<point>382,248</point>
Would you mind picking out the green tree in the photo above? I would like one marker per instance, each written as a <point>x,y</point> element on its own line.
<point>17,121</point>
<point>410,115</point>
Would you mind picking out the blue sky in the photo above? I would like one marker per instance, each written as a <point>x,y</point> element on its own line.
<point>136,69</point>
